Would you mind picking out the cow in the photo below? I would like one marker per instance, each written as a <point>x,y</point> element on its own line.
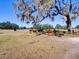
<point>39,31</point>
<point>49,32</point>
<point>32,30</point>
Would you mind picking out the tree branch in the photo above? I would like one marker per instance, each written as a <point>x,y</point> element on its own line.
<point>70,8</point>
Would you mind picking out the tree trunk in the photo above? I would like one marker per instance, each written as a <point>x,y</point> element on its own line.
<point>68,22</point>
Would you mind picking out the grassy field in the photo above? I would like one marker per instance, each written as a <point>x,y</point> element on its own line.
<point>23,45</point>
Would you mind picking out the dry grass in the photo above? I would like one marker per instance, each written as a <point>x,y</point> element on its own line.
<point>22,45</point>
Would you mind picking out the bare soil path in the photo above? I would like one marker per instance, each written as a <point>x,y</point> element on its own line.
<point>73,53</point>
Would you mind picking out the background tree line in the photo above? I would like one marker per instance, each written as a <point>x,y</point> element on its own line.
<point>46,26</point>
<point>43,26</point>
<point>9,25</point>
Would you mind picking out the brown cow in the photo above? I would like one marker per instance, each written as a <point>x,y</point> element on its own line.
<point>32,30</point>
<point>49,31</point>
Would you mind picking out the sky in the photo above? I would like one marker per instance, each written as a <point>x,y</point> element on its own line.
<point>7,14</point>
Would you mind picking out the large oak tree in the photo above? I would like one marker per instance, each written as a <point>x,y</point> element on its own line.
<point>35,11</point>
